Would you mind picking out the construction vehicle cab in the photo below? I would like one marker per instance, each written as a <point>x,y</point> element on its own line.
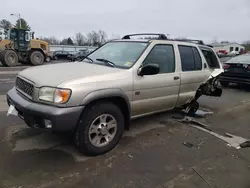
<point>20,46</point>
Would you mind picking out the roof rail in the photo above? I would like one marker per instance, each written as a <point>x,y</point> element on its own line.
<point>160,36</point>
<point>191,40</point>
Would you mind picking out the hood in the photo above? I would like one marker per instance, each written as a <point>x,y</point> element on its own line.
<point>55,74</point>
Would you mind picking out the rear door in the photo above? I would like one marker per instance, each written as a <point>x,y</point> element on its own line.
<point>193,73</point>
<point>158,92</point>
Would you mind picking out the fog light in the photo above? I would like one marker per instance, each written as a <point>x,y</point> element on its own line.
<point>48,124</point>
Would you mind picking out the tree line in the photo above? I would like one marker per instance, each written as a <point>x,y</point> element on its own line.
<point>6,25</point>
<point>94,38</point>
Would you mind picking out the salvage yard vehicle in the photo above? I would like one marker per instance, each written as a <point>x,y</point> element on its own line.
<point>60,55</point>
<point>20,46</point>
<point>236,70</point>
<point>77,56</point>
<point>124,79</point>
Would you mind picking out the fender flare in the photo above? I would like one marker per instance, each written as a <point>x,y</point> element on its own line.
<point>105,93</point>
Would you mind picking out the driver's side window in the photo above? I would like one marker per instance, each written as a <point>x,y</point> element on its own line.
<point>163,55</point>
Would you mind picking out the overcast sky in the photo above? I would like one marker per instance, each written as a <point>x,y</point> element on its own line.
<point>203,19</point>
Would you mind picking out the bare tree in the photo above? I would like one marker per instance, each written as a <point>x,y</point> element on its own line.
<point>103,37</point>
<point>51,40</point>
<point>93,38</point>
<point>5,25</point>
<point>114,37</point>
<point>80,39</point>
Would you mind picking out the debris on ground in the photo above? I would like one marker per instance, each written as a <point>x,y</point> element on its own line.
<point>245,144</point>
<point>130,156</point>
<point>202,113</point>
<point>188,144</point>
<point>190,120</point>
<point>228,135</point>
<point>232,140</point>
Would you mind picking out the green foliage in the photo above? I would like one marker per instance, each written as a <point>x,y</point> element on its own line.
<point>24,24</point>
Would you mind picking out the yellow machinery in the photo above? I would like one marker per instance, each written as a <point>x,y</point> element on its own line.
<point>20,46</point>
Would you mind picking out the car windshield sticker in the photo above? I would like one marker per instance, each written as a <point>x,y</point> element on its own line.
<point>128,63</point>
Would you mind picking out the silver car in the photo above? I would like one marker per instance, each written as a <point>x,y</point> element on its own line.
<point>96,98</point>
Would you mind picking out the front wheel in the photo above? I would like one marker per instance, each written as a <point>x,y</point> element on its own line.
<point>9,58</point>
<point>36,58</point>
<point>100,128</point>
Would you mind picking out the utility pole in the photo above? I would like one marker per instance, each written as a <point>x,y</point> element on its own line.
<point>19,18</point>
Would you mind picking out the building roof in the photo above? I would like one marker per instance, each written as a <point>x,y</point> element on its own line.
<point>224,44</point>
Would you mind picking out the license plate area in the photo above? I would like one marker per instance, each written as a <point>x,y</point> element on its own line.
<point>12,111</point>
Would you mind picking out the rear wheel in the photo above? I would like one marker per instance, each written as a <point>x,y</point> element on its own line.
<point>9,58</point>
<point>36,58</point>
<point>100,129</point>
<point>223,83</point>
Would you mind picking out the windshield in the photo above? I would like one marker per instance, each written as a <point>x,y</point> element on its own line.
<point>122,54</point>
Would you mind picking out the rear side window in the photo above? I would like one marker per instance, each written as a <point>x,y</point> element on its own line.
<point>163,55</point>
<point>210,57</point>
<point>190,58</point>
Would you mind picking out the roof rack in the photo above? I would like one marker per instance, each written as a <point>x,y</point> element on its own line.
<point>160,36</point>
<point>191,40</point>
<point>164,37</point>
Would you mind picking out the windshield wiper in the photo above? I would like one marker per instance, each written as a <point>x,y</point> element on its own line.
<point>86,57</point>
<point>110,63</point>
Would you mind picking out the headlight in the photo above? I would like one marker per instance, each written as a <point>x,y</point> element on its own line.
<point>56,95</point>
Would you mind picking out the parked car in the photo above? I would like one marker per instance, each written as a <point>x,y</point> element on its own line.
<point>222,51</point>
<point>220,54</point>
<point>60,55</point>
<point>77,56</point>
<point>124,79</point>
<point>236,70</point>
<point>233,53</point>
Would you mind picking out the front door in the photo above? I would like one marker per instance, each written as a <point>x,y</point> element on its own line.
<point>157,92</point>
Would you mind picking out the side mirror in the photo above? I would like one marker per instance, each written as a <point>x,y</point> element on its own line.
<point>149,69</point>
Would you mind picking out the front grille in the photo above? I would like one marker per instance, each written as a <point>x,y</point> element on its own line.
<point>24,86</point>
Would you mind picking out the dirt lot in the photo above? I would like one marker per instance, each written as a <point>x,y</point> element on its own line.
<point>151,154</point>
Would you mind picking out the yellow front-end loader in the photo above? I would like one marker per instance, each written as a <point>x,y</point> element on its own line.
<point>20,46</point>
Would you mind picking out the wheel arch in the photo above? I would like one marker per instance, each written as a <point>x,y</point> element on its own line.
<point>37,49</point>
<point>115,96</point>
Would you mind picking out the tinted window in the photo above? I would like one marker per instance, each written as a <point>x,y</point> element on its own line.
<point>190,58</point>
<point>163,55</point>
<point>197,59</point>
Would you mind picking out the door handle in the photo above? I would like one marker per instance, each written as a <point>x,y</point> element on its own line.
<point>176,78</point>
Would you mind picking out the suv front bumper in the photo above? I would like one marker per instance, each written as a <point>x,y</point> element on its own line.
<point>35,114</point>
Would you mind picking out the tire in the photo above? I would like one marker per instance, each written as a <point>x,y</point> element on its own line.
<point>224,84</point>
<point>36,58</point>
<point>1,57</point>
<point>85,141</point>
<point>9,58</point>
